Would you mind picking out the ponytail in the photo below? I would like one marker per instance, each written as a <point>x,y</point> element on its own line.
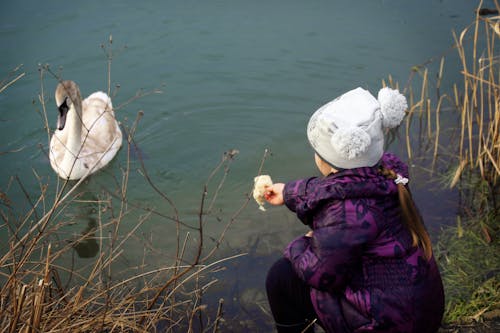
<point>411,216</point>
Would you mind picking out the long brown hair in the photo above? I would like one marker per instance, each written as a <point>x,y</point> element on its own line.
<point>411,216</point>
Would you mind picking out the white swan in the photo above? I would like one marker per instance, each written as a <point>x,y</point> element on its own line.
<point>87,135</point>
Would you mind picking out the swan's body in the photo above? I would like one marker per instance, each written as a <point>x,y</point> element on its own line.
<point>88,135</point>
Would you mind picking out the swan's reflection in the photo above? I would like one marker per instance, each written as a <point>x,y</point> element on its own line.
<point>86,245</point>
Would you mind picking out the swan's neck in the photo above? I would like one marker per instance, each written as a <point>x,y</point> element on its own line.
<point>71,163</point>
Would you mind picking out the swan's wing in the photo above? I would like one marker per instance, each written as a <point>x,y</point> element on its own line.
<point>101,135</point>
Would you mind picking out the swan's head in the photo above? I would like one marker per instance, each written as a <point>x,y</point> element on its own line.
<point>67,94</point>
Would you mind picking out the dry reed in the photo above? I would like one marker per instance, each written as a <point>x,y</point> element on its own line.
<point>459,139</point>
<point>476,103</point>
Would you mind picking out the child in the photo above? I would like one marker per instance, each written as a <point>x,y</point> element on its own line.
<point>367,263</point>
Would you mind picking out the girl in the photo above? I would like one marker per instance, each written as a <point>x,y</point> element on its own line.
<point>367,263</point>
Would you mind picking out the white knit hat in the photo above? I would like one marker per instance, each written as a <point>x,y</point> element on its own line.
<point>348,132</point>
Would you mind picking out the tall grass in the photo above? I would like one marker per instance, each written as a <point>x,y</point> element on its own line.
<point>479,103</point>
<point>458,141</point>
<point>475,102</point>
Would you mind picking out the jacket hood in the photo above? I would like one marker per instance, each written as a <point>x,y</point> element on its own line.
<point>364,182</point>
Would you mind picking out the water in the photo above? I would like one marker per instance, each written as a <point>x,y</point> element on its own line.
<point>235,74</point>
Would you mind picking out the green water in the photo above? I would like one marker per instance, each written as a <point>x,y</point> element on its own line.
<point>240,75</point>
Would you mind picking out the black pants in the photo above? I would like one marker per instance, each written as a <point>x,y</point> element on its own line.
<point>289,299</point>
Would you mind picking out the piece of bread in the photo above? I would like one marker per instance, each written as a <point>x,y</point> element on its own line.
<point>259,189</point>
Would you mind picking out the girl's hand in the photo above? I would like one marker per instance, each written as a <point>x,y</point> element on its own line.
<point>309,233</point>
<point>274,194</point>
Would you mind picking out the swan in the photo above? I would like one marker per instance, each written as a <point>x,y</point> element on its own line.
<point>87,135</point>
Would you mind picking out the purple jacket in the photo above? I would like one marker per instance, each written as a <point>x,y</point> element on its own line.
<point>364,273</point>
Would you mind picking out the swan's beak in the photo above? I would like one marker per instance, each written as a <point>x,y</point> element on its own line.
<point>61,118</point>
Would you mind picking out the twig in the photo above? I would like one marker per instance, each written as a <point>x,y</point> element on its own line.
<point>219,316</point>
<point>26,194</point>
<point>2,88</point>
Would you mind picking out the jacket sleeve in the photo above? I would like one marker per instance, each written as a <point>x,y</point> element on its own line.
<point>327,260</point>
<point>295,197</point>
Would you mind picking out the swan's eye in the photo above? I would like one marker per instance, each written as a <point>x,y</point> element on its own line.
<point>68,101</point>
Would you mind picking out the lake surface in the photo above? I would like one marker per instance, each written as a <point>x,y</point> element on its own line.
<point>242,75</point>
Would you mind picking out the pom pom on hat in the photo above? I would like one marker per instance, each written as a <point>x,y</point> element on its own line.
<point>350,142</point>
<point>392,105</point>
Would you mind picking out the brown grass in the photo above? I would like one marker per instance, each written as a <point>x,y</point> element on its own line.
<point>475,102</point>
<point>458,141</point>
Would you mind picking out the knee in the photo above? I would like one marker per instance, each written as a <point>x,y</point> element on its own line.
<point>279,273</point>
